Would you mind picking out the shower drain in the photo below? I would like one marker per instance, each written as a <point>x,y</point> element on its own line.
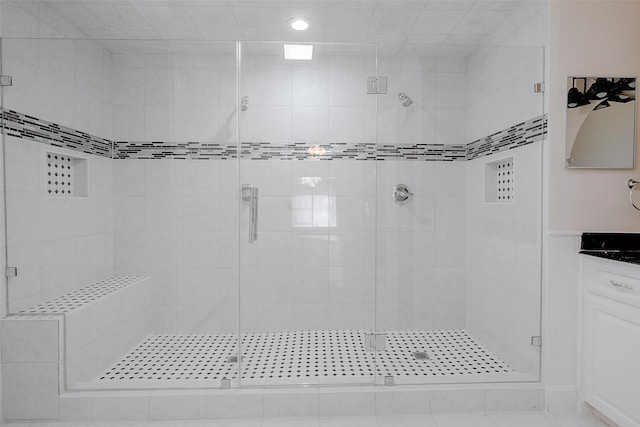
<point>420,355</point>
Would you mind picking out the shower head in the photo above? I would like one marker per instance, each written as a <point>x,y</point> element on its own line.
<point>406,101</point>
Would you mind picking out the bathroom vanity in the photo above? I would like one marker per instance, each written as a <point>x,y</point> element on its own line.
<point>611,327</point>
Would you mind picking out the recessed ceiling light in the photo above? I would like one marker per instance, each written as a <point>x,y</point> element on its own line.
<point>299,24</point>
<point>298,51</point>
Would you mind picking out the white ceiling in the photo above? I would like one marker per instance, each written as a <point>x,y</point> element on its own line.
<point>428,27</point>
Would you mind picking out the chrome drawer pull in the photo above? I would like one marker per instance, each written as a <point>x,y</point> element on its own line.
<point>621,285</point>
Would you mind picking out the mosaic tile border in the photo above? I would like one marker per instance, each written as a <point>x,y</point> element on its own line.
<point>518,135</point>
<point>351,151</point>
<point>289,151</point>
<point>27,127</point>
<point>23,126</point>
<point>173,150</point>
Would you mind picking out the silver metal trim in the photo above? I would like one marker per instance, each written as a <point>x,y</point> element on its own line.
<point>250,197</point>
<point>632,184</point>
<point>406,100</point>
<point>420,355</point>
<point>620,284</point>
<point>377,85</point>
<point>375,342</point>
<point>401,194</point>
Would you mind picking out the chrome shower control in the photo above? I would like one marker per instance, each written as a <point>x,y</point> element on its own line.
<point>401,194</point>
<point>250,197</point>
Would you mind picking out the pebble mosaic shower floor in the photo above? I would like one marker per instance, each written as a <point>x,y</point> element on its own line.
<point>313,357</point>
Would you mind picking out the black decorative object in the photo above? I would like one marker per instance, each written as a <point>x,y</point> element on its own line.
<point>603,90</point>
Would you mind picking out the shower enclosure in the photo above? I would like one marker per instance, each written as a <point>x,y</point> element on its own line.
<point>211,214</point>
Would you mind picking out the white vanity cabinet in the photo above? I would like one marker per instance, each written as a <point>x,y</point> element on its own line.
<point>611,339</point>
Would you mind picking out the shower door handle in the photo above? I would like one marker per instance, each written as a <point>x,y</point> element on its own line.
<point>250,197</point>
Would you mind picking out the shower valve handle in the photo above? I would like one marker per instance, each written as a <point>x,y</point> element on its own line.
<point>401,194</point>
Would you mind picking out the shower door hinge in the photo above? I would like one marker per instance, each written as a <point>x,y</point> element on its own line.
<point>538,87</point>
<point>536,341</point>
<point>377,85</point>
<point>6,80</point>
<point>11,272</point>
<point>375,342</point>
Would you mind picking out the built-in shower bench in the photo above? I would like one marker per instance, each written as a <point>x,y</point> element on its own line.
<point>80,298</point>
<point>100,322</point>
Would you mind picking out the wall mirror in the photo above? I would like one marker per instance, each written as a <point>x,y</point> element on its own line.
<point>601,113</point>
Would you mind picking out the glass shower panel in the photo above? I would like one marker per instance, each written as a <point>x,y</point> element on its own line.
<point>459,264</point>
<point>121,205</point>
<point>307,266</point>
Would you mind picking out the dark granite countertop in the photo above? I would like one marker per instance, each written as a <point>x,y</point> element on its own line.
<point>624,247</point>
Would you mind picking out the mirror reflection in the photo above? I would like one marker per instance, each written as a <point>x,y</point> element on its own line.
<point>600,122</point>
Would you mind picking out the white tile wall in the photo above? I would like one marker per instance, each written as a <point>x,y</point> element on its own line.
<point>65,81</point>
<point>98,334</point>
<point>58,243</point>
<point>235,406</point>
<point>501,79</point>
<point>457,401</point>
<point>177,220</point>
<point>332,282</point>
<point>503,246</point>
<point>322,101</point>
<point>291,405</point>
<point>178,97</point>
<point>399,402</point>
<point>119,408</point>
<point>177,407</point>
<point>29,341</point>
<point>30,390</point>
<point>346,404</point>
<point>75,409</point>
<point>420,269</point>
<point>62,81</point>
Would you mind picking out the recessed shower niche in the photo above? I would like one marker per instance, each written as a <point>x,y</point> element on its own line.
<point>499,182</point>
<point>66,176</point>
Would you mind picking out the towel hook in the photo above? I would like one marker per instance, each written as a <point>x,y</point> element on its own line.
<point>632,184</point>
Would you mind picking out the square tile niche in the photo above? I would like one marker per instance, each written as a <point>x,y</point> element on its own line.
<point>66,176</point>
<point>499,182</point>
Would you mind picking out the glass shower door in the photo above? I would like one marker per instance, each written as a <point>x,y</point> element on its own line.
<point>307,215</point>
<point>120,199</point>
<point>459,263</point>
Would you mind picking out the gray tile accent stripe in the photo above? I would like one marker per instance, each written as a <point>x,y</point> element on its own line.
<point>288,151</point>
<point>516,136</point>
<point>22,126</point>
<point>351,151</point>
<point>175,150</point>
<point>31,128</point>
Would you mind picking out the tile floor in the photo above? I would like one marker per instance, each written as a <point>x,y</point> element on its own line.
<point>496,419</point>
<point>316,356</point>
